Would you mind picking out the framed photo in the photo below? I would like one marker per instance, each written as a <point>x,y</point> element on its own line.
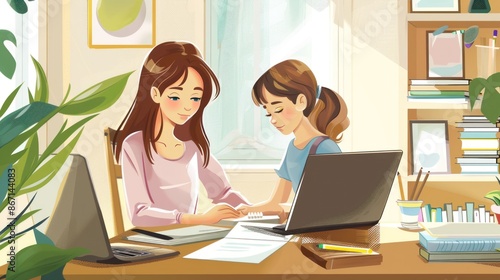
<point>439,6</point>
<point>445,55</point>
<point>131,26</point>
<point>429,146</point>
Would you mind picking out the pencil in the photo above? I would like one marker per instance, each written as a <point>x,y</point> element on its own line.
<point>401,187</point>
<point>412,193</point>
<point>345,248</point>
<point>422,186</point>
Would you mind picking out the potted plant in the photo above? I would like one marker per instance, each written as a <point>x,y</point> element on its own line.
<point>25,169</point>
<point>495,197</point>
<point>490,105</point>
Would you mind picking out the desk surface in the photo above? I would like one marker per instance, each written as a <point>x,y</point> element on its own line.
<point>400,261</point>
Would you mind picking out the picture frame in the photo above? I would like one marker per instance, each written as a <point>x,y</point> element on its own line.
<point>429,145</point>
<point>445,55</point>
<point>133,28</point>
<point>435,6</point>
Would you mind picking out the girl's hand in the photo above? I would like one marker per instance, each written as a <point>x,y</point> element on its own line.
<point>266,209</point>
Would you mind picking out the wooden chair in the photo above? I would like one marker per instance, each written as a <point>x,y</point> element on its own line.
<point>115,173</point>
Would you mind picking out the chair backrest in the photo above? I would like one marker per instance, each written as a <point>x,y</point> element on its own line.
<point>115,173</point>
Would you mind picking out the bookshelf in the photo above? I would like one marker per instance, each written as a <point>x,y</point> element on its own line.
<point>455,187</point>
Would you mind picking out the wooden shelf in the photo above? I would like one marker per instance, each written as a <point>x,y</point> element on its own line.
<point>455,187</point>
<point>453,20</point>
<point>437,105</point>
<point>455,178</point>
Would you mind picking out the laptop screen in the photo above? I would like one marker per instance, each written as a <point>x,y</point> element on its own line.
<point>77,220</point>
<point>343,190</point>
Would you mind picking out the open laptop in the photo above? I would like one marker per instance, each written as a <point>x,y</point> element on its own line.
<point>77,221</point>
<point>340,191</point>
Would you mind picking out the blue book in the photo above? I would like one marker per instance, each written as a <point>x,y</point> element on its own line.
<point>458,244</point>
<point>439,214</point>
<point>478,134</point>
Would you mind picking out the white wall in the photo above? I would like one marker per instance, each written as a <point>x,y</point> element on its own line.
<point>372,86</point>
<point>378,73</point>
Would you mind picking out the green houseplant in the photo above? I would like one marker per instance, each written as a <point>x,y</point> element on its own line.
<point>495,197</point>
<point>25,169</point>
<point>490,105</point>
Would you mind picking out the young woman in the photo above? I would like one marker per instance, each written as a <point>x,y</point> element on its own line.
<point>296,104</point>
<point>162,145</point>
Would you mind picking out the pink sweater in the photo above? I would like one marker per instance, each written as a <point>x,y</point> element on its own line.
<point>157,194</point>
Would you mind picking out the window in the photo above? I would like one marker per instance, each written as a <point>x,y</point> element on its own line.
<point>244,39</point>
<point>25,28</point>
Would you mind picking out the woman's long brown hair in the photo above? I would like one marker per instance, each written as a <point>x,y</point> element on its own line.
<point>165,64</point>
<point>290,78</point>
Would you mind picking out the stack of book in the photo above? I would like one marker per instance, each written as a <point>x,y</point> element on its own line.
<point>480,145</point>
<point>449,91</point>
<point>467,214</point>
<point>460,242</point>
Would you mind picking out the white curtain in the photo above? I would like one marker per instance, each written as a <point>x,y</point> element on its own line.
<point>25,28</point>
<point>244,39</point>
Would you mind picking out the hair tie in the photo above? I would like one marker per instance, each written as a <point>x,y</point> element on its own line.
<point>318,92</point>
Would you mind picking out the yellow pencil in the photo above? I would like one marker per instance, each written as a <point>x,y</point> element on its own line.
<point>345,248</point>
<point>401,187</point>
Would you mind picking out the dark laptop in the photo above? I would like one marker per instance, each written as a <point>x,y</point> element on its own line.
<point>77,222</point>
<point>341,191</point>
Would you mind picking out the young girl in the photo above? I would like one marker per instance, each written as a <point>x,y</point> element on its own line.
<point>296,104</point>
<point>162,144</point>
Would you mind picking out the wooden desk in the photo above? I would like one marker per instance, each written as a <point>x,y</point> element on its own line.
<point>400,261</point>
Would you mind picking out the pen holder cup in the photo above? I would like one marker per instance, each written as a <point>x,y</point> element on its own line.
<point>486,60</point>
<point>410,210</point>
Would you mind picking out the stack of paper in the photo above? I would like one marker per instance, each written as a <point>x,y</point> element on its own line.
<point>242,245</point>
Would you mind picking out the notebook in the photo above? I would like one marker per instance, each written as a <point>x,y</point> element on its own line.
<point>77,221</point>
<point>341,191</point>
<point>336,259</point>
<point>181,236</point>
<point>462,229</point>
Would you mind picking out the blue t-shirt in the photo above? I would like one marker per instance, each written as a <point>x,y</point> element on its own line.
<point>292,164</point>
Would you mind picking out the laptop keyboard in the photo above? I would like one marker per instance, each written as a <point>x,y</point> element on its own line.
<point>127,252</point>
<point>262,230</point>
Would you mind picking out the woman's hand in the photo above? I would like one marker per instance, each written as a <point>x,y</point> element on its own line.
<point>219,212</point>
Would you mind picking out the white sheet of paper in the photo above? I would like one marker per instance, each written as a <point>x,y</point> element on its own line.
<point>242,245</point>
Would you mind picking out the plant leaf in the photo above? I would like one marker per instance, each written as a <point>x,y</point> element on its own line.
<point>494,195</point>
<point>13,221</point>
<point>4,244</point>
<point>42,238</point>
<point>9,100</point>
<point>475,88</point>
<point>18,121</point>
<point>7,159</point>
<point>96,98</point>
<point>27,163</point>
<point>30,96</point>
<point>41,259</point>
<point>19,6</point>
<point>4,182</point>
<point>19,221</point>
<point>55,274</point>
<point>47,171</point>
<point>8,65</point>
<point>489,105</point>
<point>62,136</point>
<point>42,86</point>
<point>26,230</point>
